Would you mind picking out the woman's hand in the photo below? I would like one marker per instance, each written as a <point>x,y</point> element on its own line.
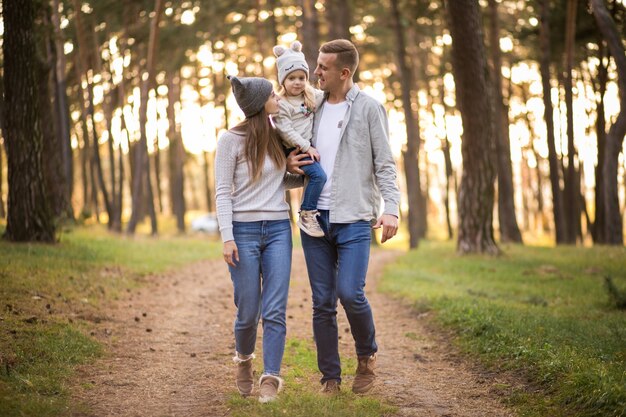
<point>231,253</point>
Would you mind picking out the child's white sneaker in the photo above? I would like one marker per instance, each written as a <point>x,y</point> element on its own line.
<point>308,223</point>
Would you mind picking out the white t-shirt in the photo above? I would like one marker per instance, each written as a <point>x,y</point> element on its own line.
<point>327,144</point>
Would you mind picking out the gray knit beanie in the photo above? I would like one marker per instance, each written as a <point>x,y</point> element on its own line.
<point>290,60</point>
<point>251,93</point>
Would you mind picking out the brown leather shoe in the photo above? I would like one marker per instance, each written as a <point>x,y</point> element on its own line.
<point>365,376</point>
<point>245,375</point>
<point>331,386</point>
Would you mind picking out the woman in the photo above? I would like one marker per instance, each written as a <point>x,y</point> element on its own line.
<point>254,223</point>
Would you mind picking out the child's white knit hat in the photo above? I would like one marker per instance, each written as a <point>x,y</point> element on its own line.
<point>290,60</point>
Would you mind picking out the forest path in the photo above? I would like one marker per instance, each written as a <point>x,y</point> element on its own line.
<point>170,346</point>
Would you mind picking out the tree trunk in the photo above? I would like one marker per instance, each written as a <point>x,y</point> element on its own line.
<point>469,64</point>
<point>411,153</point>
<point>54,174</point>
<point>599,224</point>
<point>338,15</point>
<point>176,154</point>
<point>445,146</point>
<point>62,109</point>
<point>29,215</point>
<point>3,213</point>
<point>509,230</point>
<point>142,161</point>
<point>614,232</point>
<point>572,185</point>
<point>309,33</point>
<point>544,65</point>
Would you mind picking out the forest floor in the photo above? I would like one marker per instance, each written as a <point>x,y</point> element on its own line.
<point>170,345</point>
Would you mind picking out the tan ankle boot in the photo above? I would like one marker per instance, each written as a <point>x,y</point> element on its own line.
<point>269,387</point>
<point>245,374</point>
<point>365,376</point>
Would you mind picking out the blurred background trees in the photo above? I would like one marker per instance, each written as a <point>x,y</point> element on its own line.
<point>130,97</point>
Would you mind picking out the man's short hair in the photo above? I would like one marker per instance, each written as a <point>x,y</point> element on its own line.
<point>347,54</point>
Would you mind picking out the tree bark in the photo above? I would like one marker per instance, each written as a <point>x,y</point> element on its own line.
<point>54,174</point>
<point>3,213</point>
<point>411,153</point>
<point>509,230</point>
<point>599,224</point>
<point>176,155</point>
<point>614,232</point>
<point>62,108</point>
<point>309,33</point>
<point>544,65</point>
<point>445,146</point>
<point>469,64</point>
<point>338,18</point>
<point>572,184</point>
<point>29,215</point>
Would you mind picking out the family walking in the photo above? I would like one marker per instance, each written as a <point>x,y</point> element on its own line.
<point>335,143</point>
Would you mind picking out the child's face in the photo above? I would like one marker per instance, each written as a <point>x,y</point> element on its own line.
<point>295,82</point>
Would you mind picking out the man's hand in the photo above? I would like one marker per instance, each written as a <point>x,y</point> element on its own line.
<point>231,253</point>
<point>389,222</point>
<point>313,153</point>
<point>294,162</point>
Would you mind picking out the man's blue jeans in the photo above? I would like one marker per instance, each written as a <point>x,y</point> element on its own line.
<point>337,266</point>
<point>261,283</point>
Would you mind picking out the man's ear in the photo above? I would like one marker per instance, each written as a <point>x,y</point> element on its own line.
<point>345,74</point>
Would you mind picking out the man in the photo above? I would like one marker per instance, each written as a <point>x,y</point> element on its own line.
<point>351,134</point>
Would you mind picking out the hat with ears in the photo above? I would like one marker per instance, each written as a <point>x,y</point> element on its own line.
<point>251,93</point>
<point>290,60</point>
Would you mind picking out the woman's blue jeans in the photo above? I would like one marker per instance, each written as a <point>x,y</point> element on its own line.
<point>261,283</point>
<point>337,265</point>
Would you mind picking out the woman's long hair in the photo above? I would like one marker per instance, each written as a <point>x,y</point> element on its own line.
<point>261,140</point>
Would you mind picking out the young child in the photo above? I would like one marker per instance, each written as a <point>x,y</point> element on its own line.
<point>294,123</point>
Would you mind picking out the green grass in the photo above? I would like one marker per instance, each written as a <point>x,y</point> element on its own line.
<point>543,313</point>
<point>49,292</point>
<point>301,396</point>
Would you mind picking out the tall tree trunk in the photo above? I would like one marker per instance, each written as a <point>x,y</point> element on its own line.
<point>469,64</point>
<point>411,153</point>
<point>509,230</point>
<point>176,154</point>
<point>338,15</point>
<point>309,33</point>
<point>62,109</point>
<point>142,161</point>
<point>3,213</point>
<point>54,174</point>
<point>572,184</point>
<point>271,5</point>
<point>599,224</point>
<point>445,146</point>
<point>614,232</point>
<point>544,66</point>
<point>29,215</point>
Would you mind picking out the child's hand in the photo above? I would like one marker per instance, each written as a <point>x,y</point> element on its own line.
<point>313,153</point>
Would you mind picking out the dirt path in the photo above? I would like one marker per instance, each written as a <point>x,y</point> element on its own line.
<point>171,345</point>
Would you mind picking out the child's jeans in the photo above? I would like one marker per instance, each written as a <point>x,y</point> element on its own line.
<point>317,179</point>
